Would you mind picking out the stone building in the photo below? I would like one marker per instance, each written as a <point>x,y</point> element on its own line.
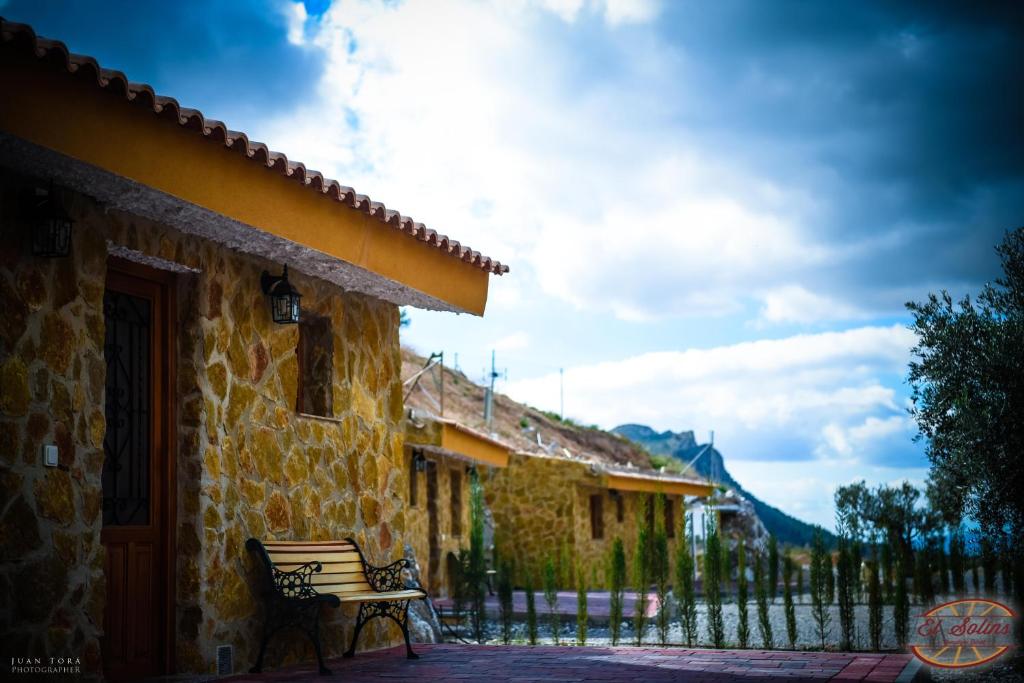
<point>440,455</point>
<point>572,509</point>
<point>153,415</point>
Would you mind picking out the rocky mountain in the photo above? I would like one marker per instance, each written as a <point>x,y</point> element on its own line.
<point>683,447</point>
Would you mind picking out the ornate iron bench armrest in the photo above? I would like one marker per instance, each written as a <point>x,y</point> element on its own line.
<point>296,584</point>
<point>387,578</point>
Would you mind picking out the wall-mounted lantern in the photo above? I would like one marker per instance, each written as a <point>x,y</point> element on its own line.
<point>284,299</point>
<point>419,462</point>
<point>51,226</point>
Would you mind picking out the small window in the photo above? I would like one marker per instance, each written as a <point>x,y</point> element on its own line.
<point>596,517</point>
<point>316,366</point>
<point>456,484</point>
<point>670,519</point>
<point>620,507</point>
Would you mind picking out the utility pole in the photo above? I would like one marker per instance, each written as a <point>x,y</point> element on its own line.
<point>489,395</point>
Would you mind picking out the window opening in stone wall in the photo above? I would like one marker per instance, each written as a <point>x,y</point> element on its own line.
<point>316,366</point>
<point>596,517</point>
<point>455,479</point>
<point>620,507</point>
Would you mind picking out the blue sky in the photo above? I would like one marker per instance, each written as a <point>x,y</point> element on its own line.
<point>714,212</point>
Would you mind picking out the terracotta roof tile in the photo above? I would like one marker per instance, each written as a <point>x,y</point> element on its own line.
<point>55,52</point>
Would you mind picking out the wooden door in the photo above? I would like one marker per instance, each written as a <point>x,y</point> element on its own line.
<point>138,475</point>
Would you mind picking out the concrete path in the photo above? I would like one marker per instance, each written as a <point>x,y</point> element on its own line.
<point>522,664</point>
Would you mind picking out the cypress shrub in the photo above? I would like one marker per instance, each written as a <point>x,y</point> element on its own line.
<point>773,566</point>
<point>821,569</point>
<point>901,604</point>
<point>787,599</point>
<point>887,572</point>
<point>799,583</point>
<point>988,567</point>
<point>581,606</point>
<point>742,625</point>
<point>874,607</point>
<point>641,571</point>
<point>844,565</point>
<point>660,568</point>
<point>617,585</point>
<point>974,574</point>
<point>476,574</point>
<point>923,574</point>
<point>713,582</point>
<point>551,597</point>
<point>830,579</point>
<point>1006,568</point>
<point>686,599</point>
<point>505,600</point>
<point>531,610</point>
<point>761,594</point>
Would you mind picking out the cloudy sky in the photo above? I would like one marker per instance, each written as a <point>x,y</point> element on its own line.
<point>714,211</point>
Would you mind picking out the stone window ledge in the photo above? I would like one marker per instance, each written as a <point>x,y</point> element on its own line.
<point>321,418</point>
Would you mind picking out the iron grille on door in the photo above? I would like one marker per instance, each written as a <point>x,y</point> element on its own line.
<point>126,466</point>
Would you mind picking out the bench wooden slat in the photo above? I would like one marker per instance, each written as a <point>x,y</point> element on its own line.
<point>339,588</point>
<point>284,550</point>
<point>371,596</point>
<point>271,544</point>
<point>299,558</point>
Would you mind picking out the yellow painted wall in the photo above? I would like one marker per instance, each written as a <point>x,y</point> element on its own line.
<point>73,116</point>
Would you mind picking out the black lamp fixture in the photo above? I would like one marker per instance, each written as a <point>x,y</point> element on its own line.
<point>419,462</point>
<point>284,299</point>
<point>51,226</point>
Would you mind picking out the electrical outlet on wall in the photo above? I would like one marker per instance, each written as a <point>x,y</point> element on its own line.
<point>50,455</point>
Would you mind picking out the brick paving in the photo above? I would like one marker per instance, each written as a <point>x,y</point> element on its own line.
<point>522,664</point>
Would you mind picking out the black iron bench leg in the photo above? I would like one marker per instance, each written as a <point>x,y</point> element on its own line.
<point>404,623</point>
<point>360,620</point>
<point>315,637</point>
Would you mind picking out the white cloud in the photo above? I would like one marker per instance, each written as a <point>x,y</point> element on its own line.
<point>513,342</point>
<point>819,396</point>
<point>295,16</point>
<point>465,117</point>
<point>795,304</point>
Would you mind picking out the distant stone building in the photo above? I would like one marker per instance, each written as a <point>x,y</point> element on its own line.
<point>571,510</point>
<point>153,415</point>
<point>440,455</point>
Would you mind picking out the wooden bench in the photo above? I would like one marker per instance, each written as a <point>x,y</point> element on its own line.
<point>300,577</point>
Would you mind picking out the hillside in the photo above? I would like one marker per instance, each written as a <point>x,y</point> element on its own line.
<point>684,447</point>
<point>526,429</point>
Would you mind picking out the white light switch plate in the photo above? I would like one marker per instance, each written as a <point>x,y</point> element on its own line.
<point>50,455</point>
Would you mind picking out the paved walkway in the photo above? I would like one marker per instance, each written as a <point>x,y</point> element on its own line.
<point>522,664</point>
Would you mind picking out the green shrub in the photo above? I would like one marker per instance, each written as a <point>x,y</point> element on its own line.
<point>799,582</point>
<point>901,604</point>
<point>505,607</point>
<point>787,598</point>
<point>686,599</point>
<point>713,583</point>
<point>764,623</point>
<point>531,610</point>
<point>551,597</point>
<point>641,571</point>
<point>887,572</point>
<point>773,567</point>
<point>617,586</point>
<point>743,624</point>
<point>581,606</point>
<point>660,568</point>
<point>874,607</point>
<point>844,565</point>
<point>821,570</point>
<point>476,570</point>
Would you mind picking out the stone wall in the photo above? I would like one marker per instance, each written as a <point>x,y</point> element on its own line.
<point>541,508</point>
<point>248,465</point>
<point>418,520</point>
